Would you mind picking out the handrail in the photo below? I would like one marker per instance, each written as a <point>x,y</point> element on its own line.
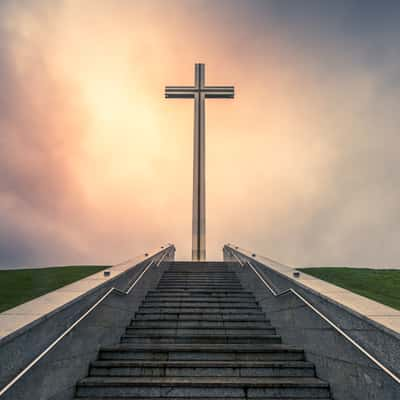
<point>161,258</point>
<point>321,315</point>
<point>81,318</point>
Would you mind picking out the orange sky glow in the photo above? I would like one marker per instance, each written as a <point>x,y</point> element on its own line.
<point>111,168</point>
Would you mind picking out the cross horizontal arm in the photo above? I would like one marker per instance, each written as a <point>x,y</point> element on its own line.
<point>219,92</point>
<point>218,89</point>
<point>204,89</point>
<point>221,95</point>
<point>180,92</point>
<point>210,92</point>
<point>179,95</point>
<point>180,89</point>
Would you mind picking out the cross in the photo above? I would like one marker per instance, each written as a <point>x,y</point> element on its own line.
<point>199,92</point>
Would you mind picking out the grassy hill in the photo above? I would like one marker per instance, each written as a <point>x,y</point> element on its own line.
<point>382,285</point>
<point>19,286</point>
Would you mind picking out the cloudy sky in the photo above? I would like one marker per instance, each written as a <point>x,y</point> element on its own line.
<point>302,166</point>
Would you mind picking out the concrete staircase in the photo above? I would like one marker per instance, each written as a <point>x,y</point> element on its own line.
<point>200,335</point>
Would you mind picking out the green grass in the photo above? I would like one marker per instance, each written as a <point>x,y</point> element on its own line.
<point>21,285</point>
<point>379,285</point>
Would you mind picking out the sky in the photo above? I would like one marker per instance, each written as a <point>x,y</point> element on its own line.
<point>302,166</point>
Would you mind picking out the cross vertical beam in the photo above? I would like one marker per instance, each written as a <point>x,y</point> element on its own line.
<point>199,179</point>
<point>199,93</point>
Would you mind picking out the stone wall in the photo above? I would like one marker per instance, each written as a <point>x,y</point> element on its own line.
<point>56,374</point>
<point>351,374</point>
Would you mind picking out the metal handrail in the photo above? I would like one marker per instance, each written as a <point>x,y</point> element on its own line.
<point>81,318</point>
<point>321,315</point>
<point>161,258</point>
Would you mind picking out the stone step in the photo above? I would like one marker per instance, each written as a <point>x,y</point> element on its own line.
<point>208,276</point>
<point>248,387</point>
<point>201,267</point>
<point>189,295</point>
<point>204,316</point>
<point>201,274</point>
<point>209,289</point>
<point>134,330</point>
<point>199,303</point>
<point>171,279</point>
<point>200,290</point>
<point>219,275</point>
<point>194,296</point>
<point>197,324</point>
<point>207,315</point>
<point>191,265</point>
<point>202,352</point>
<point>201,338</point>
<point>225,299</point>
<point>202,368</point>
<point>203,283</point>
<point>230,275</point>
<point>206,309</point>
<point>199,285</point>
<point>207,292</point>
<point>202,305</point>
<point>198,274</point>
<point>196,283</point>
<point>193,269</point>
<point>199,279</point>
<point>226,288</point>
<point>192,398</point>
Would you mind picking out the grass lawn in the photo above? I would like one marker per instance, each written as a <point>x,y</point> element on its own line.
<point>379,285</point>
<point>21,285</point>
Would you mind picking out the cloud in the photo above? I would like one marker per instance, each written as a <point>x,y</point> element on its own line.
<point>96,165</point>
<point>41,128</point>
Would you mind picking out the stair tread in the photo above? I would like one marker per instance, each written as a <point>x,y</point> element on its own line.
<point>200,310</point>
<point>206,320</point>
<point>199,290</point>
<point>224,347</point>
<point>200,300</point>
<point>203,320</point>
<point>177,329</point>
<point>214,297</point>
<point>200,335</point>
<point>166,303</point>
<point>206,381</point>
<point>194,398</point>
<point>202,364</point>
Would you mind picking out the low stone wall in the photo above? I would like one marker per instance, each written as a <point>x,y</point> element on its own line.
<point>351,374</point>
<point>55,375</point>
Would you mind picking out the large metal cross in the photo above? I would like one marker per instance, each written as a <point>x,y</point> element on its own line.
<point>199,92</point>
